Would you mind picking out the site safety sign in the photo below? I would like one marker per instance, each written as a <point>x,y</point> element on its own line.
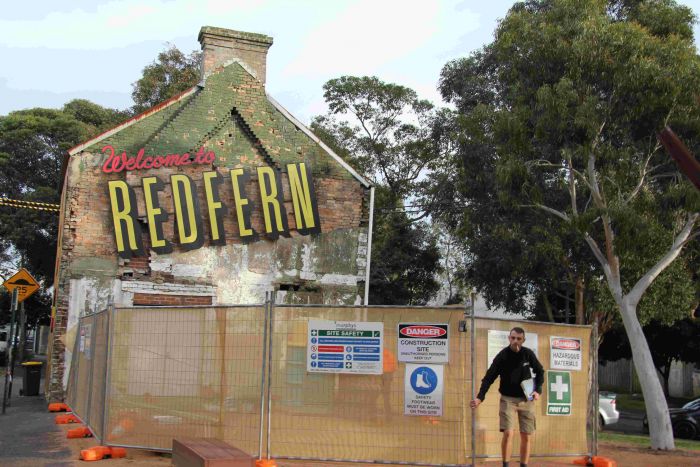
<point>423,343</point>
<point>558,393</point>
<point>423,389</point>
<point>345,347</point>
<point>564,353</point>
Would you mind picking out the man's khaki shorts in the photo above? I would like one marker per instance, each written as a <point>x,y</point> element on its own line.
<point>525,410</point>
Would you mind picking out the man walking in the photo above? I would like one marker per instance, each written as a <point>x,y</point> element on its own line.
<point>513,365</point>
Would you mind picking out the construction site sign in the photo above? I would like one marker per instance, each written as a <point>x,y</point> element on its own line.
<point>25,284</point>
<point>423,342</point>
<point>344,347</point>
<point>423,388</point>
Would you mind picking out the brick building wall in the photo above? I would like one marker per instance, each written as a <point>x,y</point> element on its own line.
<point>232,116</point>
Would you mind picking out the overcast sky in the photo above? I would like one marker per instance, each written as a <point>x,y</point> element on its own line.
<point>55,51</point>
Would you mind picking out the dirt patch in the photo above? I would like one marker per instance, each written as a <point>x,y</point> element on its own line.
<point>624,455</point>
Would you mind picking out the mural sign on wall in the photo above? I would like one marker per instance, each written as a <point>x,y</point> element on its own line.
<point>189,222</point>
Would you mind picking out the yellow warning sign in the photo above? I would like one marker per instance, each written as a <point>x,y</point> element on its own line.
<point>25,284</point>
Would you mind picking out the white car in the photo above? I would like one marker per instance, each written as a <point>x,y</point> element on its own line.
<point>607,410</point>
<point>3,341</point>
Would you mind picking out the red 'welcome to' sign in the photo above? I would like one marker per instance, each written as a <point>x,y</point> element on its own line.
<point>121,162</point>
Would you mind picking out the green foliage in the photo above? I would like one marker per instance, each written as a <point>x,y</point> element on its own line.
<point>383,130</point>
<point>33,146</point>
<point>563,84</point>
<point>383,127</point>
<point>170,74</point>
<point>405,258</point>
<point>668,342</point>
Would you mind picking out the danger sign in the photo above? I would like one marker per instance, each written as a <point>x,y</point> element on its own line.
<point>564,353</point>
<point>423,342</point>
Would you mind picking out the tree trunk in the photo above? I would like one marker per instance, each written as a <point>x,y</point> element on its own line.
<point>665,373</point>
<point>579,304</point>
<point>547,307</point>
<point>660,429</point>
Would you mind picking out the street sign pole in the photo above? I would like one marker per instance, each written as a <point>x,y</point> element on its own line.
<point>7,391</point>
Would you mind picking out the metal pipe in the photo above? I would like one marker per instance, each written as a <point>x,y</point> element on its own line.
<point>369,243</point>
<point>473,365</point>
<point>105,373</point>
<point>364,461</point>
<point>596,397</point>
<point>262,379</point>
<point>269,370</point>
<point>112,322</point>
<point>91,372</point>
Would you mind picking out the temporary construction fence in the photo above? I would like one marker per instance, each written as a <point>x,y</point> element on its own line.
<point>249,375</point>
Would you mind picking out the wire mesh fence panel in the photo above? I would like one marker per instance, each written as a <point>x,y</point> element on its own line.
<point>241,384</point>
<point>71,386</point>
<point>562,411</point>
<point>84,366</point>
<point>361,417</point>
<point>184,372</point>
<point>99,366</point>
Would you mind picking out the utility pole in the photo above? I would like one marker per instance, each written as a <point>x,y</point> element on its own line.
<point>9,371</point>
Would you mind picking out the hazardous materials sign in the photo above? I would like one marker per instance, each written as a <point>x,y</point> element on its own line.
<point>344,347</point>
<point>558,393</point>
<point>423,343</point>
<point>564,353</point>
<point>423,389</point>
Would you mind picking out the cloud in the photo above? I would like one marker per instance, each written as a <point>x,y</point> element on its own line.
<point>364,36</point>
<point>117,24</point>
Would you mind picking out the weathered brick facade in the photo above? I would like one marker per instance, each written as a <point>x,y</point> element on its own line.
<point>228,113</point>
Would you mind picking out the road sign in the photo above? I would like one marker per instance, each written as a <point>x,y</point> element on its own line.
<point>558,393</point>
<point>25,284</point>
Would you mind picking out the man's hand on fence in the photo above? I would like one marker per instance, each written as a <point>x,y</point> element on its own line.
<point>535,396</point>
<point>475,403</point>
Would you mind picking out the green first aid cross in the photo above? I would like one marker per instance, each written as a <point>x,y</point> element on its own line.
<point>559,387</point>
<point>558,393</point>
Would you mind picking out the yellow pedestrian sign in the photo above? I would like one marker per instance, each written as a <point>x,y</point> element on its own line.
<point>25,284</point>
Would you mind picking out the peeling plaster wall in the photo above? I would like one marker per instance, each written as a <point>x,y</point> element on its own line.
<point>232,116</point>
<point>324,268</point>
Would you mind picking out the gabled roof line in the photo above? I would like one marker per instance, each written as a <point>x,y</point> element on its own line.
<point>132,120</point>
<point>315,138</point>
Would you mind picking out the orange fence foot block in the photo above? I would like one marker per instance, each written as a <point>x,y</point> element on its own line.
<point>82,432</point>
<point>599,461</point>
<point>596,461</point>
<point>68,418</point>
<point>265,463</point>
<point>59,407</point>
<point>97,453</point>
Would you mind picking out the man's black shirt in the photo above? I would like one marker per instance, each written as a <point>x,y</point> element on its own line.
<point>512,368</point>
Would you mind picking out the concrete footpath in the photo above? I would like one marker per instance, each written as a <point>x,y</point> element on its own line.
<point>28,434</point>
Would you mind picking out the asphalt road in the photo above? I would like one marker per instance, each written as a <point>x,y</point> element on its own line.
<point>28,434</point>
<point>629,423</point>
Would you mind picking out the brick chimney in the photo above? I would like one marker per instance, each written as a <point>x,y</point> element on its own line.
<point>221,45</point>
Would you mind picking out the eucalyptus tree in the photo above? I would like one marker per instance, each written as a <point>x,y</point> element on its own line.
<point>556,120</point>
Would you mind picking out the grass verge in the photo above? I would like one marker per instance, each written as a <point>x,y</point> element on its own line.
<point>643,441</point>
